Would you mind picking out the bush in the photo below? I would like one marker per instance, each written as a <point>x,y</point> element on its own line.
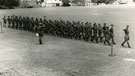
<point>66,4</point>
<point>30,7</point>
<point>3,7</point>
<point>9,3</point>
<point>10,7</point>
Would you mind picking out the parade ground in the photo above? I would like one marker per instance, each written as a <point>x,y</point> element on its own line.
<point>21,55</point>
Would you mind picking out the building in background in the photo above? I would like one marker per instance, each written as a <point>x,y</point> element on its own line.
<point>40,3</point>
<point>124,2</point>
<point>26,3</point>
<point>51,3</point>
<point>88,3</point>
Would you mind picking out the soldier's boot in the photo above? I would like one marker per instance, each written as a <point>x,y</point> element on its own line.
<point>123,43</point>
<point>40,41</point>
<point>113,41</point>
<point>104,42</point>
<point>101,39</point>
<point>97,40</point>
<point>92,38</point>
<point>87,39</point>
<point>108,43</point>
<point>128,45</point>
<point>4,25</point>
<point>8,25</point>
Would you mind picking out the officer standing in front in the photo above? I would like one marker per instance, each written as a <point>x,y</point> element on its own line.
<point>40,28</point>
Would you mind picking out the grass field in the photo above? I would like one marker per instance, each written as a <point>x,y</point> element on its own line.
<point>22,56</point>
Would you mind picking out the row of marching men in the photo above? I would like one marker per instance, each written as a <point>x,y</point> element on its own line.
<point>86,31</point>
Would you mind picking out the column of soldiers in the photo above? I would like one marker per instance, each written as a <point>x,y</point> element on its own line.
<point>72,30</point>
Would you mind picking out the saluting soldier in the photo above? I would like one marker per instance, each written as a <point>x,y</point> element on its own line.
<point>126,38</point>
<point>40,32</point>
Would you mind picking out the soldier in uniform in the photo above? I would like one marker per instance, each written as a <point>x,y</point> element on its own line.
<point>9,21</point>
<point>36,23</point>
<point>27,24</point>
<point>32,24</point>
<point>40,28</point>
<point>4,21</point>
<point>13,21</point>
<point>89,30</point>
<point>104,31</point>
<point>20,22</point>
<point>107,36</point>
<point>100,32</point>
<point>16,22</point>
<point>24,23</point>
<point>126,38</point>
<point>112,34</point>
<point>95,32</point>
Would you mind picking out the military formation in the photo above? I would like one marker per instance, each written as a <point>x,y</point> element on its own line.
<point>96,32</point>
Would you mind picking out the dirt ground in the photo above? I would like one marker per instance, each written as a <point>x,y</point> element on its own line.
<point>21,55</point>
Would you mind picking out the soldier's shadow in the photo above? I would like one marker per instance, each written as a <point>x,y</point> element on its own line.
<point>124,46</point>
<point>38,44</point>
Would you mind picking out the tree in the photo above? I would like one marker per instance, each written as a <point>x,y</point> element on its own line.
<point>9,2</point>
<point>13,2</point>
<point>66,2</point>
<point>2,2</point>
<point>79,2</point>
<point>103,1</point>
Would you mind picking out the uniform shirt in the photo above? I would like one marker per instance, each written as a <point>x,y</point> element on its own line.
<point>4,20</point>
<point>126,31</point>
<point>111,31</point>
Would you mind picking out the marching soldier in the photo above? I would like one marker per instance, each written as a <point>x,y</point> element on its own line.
<point>100,32</point>
<point>9,21</point>
<point>107,36</point>
<point>27,24</point>
<point>104,31</point>
<point>32,24</point>
<point>24,23</point>
<point>20,22</point>
<point>112,34</point>
<point>126,38</point>
<point>13,21</point>
<point>4,21</point>
<point>74,30</point>
<point>16,22</point>
<point>95,31</point>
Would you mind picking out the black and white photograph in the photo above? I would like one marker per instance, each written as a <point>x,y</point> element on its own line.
<point>67,37</point>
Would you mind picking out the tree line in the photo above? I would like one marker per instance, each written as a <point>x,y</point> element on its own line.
<point>65,2</point>
<point>93,1</point>
<point>9,2</point>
